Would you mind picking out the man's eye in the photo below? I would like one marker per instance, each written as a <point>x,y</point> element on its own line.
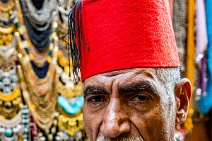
<point>96,99</point>
<point>141,98</point>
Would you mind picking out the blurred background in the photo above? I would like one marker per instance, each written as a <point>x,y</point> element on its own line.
<point>39,99</point>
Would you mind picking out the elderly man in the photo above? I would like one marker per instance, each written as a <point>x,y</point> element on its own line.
<point>130,70</point>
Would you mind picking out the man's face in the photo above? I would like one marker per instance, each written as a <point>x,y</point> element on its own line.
<point>128,104</point>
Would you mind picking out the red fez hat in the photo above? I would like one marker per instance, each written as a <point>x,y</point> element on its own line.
<point>123,34</point>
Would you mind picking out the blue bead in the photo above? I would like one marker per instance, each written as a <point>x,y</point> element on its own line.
<point>80,101</point>
<point>25,111</point>
<point>1,85</point>
<point>26,130</point>
<point>8,132</point>
<point>6,81</point>
<point>13,85</point>
<point>68,107</point>
<point>6,90</point>
<point>25,121</point>
<point>14,78</point>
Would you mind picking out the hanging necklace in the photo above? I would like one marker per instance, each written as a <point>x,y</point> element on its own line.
<point>37,56</point>
<point>7,12</point>
<point>42,16</point>
<point>43,114</point>
<point>41,97</point>
<point>37,33</point>
<point>10,94</point>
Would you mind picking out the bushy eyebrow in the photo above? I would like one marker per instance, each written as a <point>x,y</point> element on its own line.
<point>137,87</point>
<point>94,90</point>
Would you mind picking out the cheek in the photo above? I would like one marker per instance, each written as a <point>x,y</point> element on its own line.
<point>92,122</point>
<point>152,125</point>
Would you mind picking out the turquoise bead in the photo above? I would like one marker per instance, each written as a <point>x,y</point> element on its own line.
<point>50,53</point>
<point>26,130</point>
<point>1,85</point>
<point>25,111</point>
<point>8,132</point>
<point>6,81</point>
<point>17,24</point>
<point>13,85</point>
<point>14,78</point>
<point>27,50</point>
<point>6,90</point>
<point>68,107</point>
<point>26,121</point>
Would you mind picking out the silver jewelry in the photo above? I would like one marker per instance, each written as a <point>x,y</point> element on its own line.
<point>11,123</point>
<point>42,18</point>
<point>7,51</point>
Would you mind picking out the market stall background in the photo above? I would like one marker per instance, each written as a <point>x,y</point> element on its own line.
<point>39,99</point>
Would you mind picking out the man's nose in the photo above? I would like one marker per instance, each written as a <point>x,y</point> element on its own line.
<point>116,121</point>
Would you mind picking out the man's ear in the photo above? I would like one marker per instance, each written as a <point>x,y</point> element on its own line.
<point>183,96</point>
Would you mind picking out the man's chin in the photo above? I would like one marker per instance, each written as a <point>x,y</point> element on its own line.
<point>119,139</point>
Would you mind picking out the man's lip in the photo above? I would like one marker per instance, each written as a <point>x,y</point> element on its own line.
<point>127,139</point>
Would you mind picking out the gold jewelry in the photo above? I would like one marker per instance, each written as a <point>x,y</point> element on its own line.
<point>10,97</point>
<point>68,92</point>
<point>7,30</point>
<point>7,7</point>
<point>15,121</point>
<point>38,93</point>
<point>44,122</point>
<point>69,124</point>
<point>62,60</point>
<point>6,35</point>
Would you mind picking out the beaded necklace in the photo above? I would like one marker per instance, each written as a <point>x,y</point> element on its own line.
<point>42,114</point>
<point>10,94</point>
<point>41,97</point>
<point>7,12</point>
<point>70,120</point>
<point>25,123</point>
<point>38,33</point>
<point>37,92</point>
<point>41,18</point>
<point>12,128</point>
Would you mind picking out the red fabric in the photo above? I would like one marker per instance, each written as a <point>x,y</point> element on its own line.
<point>126,34</point>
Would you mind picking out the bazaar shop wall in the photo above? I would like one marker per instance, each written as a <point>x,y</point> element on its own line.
<point>192,26</point>
<point>38,100</point>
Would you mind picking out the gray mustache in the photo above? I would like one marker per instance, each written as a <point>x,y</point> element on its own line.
<point>119,139</point>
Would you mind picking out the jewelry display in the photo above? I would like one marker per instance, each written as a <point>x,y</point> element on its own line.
<point>38,22</point>
<point>25,123</point>
<point>41,18</point>
<point>71,125</point>
<point>7,14</point>
<point>11,129</point>
<point>10,93</point>
<point>70,106</point>
<point>39,101</point>
<point>65,84</point>
<point>7,51</point>
<point>70,101</point>
<point>64,7</point>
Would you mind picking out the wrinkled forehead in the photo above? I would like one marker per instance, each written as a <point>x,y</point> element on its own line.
<point>123,77</point>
